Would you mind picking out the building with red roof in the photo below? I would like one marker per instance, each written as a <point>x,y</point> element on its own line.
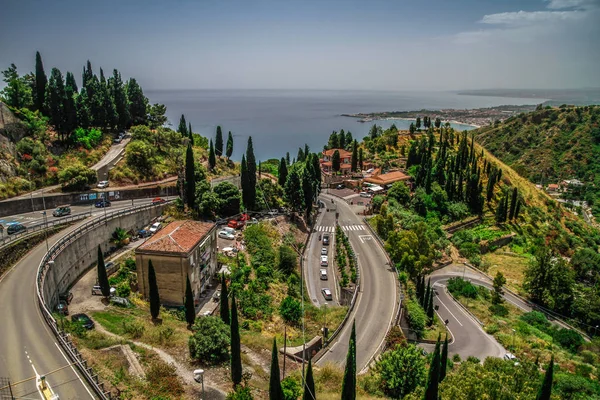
<point>345,160</point>
<point>377,178</point>
<point>181,249</point>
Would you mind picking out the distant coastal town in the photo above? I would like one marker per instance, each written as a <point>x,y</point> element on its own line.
<point>475,117</point>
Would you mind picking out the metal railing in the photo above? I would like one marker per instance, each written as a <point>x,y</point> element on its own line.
<point>7,239</point>
<point>63,338</point>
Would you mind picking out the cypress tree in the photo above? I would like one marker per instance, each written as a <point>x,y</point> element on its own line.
<point>430,308</point>
<point>236,358</point>
<point>153,291</point>
<point>70,108</point>
<point>300,156</point>
<point>224,300</point>
<point>102,276</point>
<point>190,310</point>
<point>517,208</point>
<point>212,161</point>
<point>444,359</point>
<point>275,390</point>
<point>219,142</point>
<point>354,160</point>
<point>360,158</point>
<point>55,101</point>
<point>119,96</point>
<point>41,80</point>
<point>244,180</point>
<point>182,128</point>
<point>283,172</point>
<point>349,382</point>
<point>335,161</point>
<point>229,150</point>
<point>546,389</point>
<point>259,169</point>
<point>513,203</point>
<point>251,167</point>
<point>500,211</point>
<point>309,383</point>
<point>433,380</point>
<point>418,287</point>
<point>190,178</point>
<point>287,158</point>
<point>505,208</point>
<point>190,133</point>
<point>137,103</point>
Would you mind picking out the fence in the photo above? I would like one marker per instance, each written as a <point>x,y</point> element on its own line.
<point>43,269</point>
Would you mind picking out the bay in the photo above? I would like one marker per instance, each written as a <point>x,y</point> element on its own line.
<point>284,120</point>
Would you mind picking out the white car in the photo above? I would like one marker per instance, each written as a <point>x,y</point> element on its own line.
<point>323,251</point>
<point>154,228</point>
<point>226,235</point>
<point>327,294</point>
<point>102,184</point>
<point>324,261</point>
<point>364,194</point>
<point>323,274</point>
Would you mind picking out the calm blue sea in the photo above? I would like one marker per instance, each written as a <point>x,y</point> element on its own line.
<point>283,120</point>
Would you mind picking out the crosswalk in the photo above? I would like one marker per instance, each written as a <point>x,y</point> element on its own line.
<point>346,228</point>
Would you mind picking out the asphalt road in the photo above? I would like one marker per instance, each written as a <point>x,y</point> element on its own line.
<point>27,344</point>
<point>376,303</point>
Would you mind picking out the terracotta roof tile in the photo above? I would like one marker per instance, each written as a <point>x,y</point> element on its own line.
<point>343,153</point>
<point>177,237</point>
<point>386,179</point>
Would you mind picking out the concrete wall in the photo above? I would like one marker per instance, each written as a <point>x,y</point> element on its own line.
<point>82,254</point>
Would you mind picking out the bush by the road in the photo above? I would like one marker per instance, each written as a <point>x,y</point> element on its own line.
<point>460,287</point>
<point>290,310</point>
<point>416,317</point>
<point>210,340</point>
<point>400,371</point>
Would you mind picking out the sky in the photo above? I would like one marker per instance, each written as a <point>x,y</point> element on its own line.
<point>312,44</point>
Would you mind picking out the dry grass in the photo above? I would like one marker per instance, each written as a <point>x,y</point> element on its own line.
<point>512,267</point>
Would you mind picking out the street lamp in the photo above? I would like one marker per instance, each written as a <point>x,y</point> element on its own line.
<point>513,344</point>
<point>199,377</point>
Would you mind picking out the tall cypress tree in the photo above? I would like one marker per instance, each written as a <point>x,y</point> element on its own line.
<point>309,383</point>
<point>354,160</point>
<point>190,177</point>
<point>349,382</point>
<point>190,133</point>
<point>287,158</point>
<point>236,358</point>
<point>251,166</point>
<point>229,150</point>
<point>430,308</point>
<point>517,208</point>
<point>41,80</point>
<point>244,180</point>
<point>153,291</point>
<point>224,300</point>
<point>182,128</point>
<point>70,108</point>
<point>444,359</point>
<point>546,389</point>
<point>55,102</point>
<point>137,102</point>
<point>212,161</point>
<point>513,203</point>
<point>219,142</point>
<point>283,172</point>
<point>360,158</point>
<point>433,380</point>
<point>102,276</point>
<point>307,189</point>
<point>190,310</point>
<point>275,390</point>
<point>501,210</point>
<point>120,99</point>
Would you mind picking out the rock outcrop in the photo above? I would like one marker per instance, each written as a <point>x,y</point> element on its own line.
<point>12,129</point>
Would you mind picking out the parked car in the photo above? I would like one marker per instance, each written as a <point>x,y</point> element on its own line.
<point>97,291</point>
<point>61,211</point>
<point>66,296</point>
<point>15,227</point>
<point>83,320</point>
<point>325,240</point>
<point>323,251</point>
<point>340,186</point>
<point>327,294</point>
<point>118,139</point>
<point>158,200</point>
<point>62,308</point>
<point>252,221</point>
<point>323,274</point>
<point>221,221</point>
<point>102,184</point>
<point>229,230</point>
<point>235,224</point>
<point>143,233</point>
<point>155,227</point>
<point>102,203</point>
<point>324,261</point>
<point>226,235</point>
<point>217,295</point>
<point>364,194</point>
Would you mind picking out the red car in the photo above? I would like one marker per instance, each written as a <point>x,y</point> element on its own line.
<point>158,200</point>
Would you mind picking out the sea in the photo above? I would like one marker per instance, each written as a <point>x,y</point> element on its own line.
<point>281,121</point>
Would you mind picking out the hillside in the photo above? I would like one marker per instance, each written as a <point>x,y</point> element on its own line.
<point>550,145</point>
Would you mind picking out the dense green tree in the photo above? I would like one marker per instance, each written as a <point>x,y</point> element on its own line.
<point>400,371</point>
<point>55,102</point>
<point>501,210</point>
<point>283,172</point>
<point>224,300</point>
<point>309,382</point>
<point>102,275</point>
<point>275,391</point>
<point>293,191</point>
<point>153,291</point>
<point>17,92</point>
<point>438,123</point>
<point>190,182</point>
<point>308,190</point>
<point>546,388</point>
<point>236,356</point>
<point>349,380</point>
<point>399,192</point>
<point>212,161</point>
<point>412,129</point>
<point>499,281</point>
<point>444,356</point>
<point>190,132</point>
<point>182,128</point>
<point>349,139</point>
<point>70,109</point>
<point>334,141</point>
<point>209,342</point>
<point>190,310</point>
<point>290,310</point>
<point>418,123</point>
<point>251,166</point>
<point>229,149</point>
<point>354,160</point>
<point>374,132</point>
<point>288,259</point>
<point>156,116</point>
<point>360,158</point>
<point>433,379</point>
<point>430,310</point>
<point>219,142</point>
<point>41,81</point>
<point>287,158</point>
<point>549,281</point>
<point>119,99</point>
<point>335,161</point>
<point>229,198</point>
<point>342,139</point>
<point>300,157</point>
<point>137,102</point>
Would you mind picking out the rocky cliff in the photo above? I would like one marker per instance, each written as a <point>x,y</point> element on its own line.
<point>11,131</point>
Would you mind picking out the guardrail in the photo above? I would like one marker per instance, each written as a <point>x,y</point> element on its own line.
<point>44,267</point>
<point>42,226</point>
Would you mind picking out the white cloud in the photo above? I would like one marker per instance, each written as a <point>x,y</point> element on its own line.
<point>562,4</point>
<point>531,17</point>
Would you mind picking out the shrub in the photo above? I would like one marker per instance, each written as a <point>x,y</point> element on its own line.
<point>210,341</point>
<point>123,289</point>
<point>400,371</point>
<point>499,310</point>
<point>569,386</point>
<point>290,310</point>
<point>165,333</point>
<point>456,358</point>
<point>291,388</point>
<point>536,319</point>
<point>492,328</point>
<point>416,317</point>
<point>461,287</point>
<point>473,359</point>
<point>241,392</point>
<point>76,177</point>
<point>568,339</point>
<point>162,381</point>
<point>394,337</point>
<point>134,328</point>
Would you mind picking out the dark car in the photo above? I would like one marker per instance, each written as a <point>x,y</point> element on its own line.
<point>62,308</point>
<point>326,240</point>
<point>84,320</point>
<point>66,296</point>
<point>15,227</point>
<point>102,203</point>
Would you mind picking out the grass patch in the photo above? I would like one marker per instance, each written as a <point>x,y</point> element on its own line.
<point>512,267</point>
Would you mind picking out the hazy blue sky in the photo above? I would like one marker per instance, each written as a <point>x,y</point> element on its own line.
<point>313,44</point>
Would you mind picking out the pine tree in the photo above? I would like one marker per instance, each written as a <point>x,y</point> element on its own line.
<point>309,383</point>
<point>120,100</point>
<point>546,389</point>
<point>41,80</point>
<point>444,359</point>
<point>354,160</point>
<point>418,123</point>
<point>349,382</point>
<point>275,390</point>
<point>236,358</point>
<point>513,203</point>
<point>251,166</point>
<point>229,150</point>
<point>55,102</point>
<point>433,380</point>
<point>349,138</point>
<point>190,310</point>
<point>219,142</point>
<point>190,178</point>
<point>153,291</point>
<point>283,172</point>
<point>69,107</point>
<point>342,139</point>
<point>182,128</point>
<point>212,161</point>
<point>224,300</point>
<point>137,103</point>
<point>102,276</point>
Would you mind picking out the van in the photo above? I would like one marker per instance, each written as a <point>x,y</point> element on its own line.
<point>15,227</point>
<point>323,274</point>
<point>61,210</point>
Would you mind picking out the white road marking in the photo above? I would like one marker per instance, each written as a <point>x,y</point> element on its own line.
<point>75,372</point>
<point>442,303</point>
